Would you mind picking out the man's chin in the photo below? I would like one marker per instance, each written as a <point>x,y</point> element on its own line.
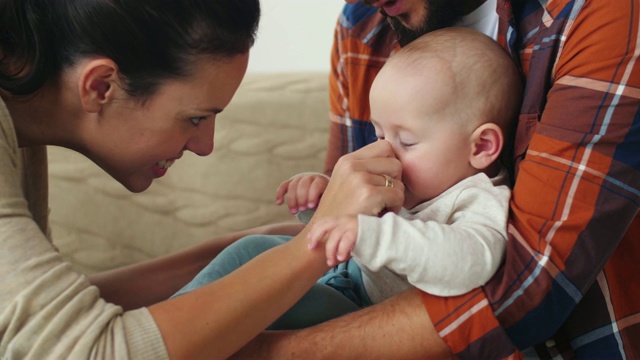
<point>403,32</point>
<point>437,14</point>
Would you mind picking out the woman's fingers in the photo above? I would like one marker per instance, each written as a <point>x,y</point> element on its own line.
<point>380,151</point>
<point>376,149</point>
<point>359,186</point>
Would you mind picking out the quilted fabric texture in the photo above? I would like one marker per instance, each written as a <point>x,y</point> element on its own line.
<point>275,126</point>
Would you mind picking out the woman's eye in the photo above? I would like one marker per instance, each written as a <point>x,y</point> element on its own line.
<point>197,120</point>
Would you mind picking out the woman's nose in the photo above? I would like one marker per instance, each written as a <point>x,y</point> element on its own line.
<point>202,142</point>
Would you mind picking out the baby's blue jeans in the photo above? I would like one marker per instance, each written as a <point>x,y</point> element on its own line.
<point>338,292</point>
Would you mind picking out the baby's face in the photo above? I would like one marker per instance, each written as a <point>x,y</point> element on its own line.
<point>416,119</point>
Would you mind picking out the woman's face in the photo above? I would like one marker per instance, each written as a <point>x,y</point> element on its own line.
<point>137,142</point>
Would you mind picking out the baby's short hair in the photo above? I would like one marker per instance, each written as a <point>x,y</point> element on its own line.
<point>488,82</point>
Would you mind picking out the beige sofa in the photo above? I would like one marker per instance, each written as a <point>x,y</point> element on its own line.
<point>275,126</point>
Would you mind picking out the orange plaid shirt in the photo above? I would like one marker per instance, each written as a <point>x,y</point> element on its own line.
<point>570,284</point>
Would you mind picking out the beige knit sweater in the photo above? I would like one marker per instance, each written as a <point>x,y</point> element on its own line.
<point>47,310</point>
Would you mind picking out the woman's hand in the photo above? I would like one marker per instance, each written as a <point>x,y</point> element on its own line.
<point>367,181</point>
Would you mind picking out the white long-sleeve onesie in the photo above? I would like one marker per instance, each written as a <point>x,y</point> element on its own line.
<point>446,246</point>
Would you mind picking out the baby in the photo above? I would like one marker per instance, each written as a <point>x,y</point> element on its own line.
<point>447,124</point>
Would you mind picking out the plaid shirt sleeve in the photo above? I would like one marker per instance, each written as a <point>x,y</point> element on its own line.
<point>573,257</point>
<point>362,43</point>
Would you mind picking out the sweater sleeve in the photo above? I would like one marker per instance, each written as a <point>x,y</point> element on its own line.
<point>47,310</point>
<point>50,311</point>
<point>454,246</point>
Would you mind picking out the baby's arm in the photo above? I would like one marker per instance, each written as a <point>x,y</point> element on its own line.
<point>443,253</point>
<point>303,191</point>
<point>339,235</point>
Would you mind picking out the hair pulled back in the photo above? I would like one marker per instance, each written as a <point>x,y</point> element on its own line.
<point>149,40</point>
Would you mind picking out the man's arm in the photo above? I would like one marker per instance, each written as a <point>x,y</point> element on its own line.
<point>398,328</point>
<point>338,103</point>
<point>362,42</point>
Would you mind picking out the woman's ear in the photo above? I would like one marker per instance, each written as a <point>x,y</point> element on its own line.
<point>97,83</point>
<point>486,144</point>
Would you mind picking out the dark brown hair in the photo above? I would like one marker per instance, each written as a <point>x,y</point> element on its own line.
<point>149,40</point>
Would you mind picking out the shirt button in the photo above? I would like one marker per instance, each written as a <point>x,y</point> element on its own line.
<point>550,343</point>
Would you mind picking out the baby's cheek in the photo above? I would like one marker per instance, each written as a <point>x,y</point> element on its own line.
<point>420,182</point>
<point>414,175</point>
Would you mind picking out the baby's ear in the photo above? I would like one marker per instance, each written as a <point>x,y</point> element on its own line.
<point>486,144</point>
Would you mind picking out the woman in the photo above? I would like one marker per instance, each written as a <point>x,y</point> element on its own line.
<point>132,85</point>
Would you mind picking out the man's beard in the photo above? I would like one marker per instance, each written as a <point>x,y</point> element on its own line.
<point>439,14</point>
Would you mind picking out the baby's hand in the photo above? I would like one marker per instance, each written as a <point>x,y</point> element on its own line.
<point>303,191</point>
<point>339,235</point>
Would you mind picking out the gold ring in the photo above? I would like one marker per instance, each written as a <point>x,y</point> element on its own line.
<point>388,181</point>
